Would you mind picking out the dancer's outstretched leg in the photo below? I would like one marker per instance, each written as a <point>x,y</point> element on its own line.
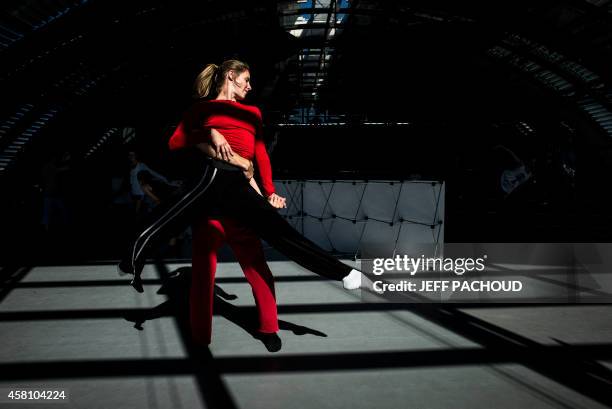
<point>251,209</point>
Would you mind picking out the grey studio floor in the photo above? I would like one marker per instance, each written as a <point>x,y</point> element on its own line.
<point>73,328</point>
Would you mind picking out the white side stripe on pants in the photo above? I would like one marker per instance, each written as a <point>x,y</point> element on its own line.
<point>172,212</point>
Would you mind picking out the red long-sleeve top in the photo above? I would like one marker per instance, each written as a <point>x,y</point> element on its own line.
<point>240,124</point>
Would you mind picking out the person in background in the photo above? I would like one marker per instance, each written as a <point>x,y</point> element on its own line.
<point>138,195</point>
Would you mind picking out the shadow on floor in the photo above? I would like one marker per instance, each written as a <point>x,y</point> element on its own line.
<point>176,287</point>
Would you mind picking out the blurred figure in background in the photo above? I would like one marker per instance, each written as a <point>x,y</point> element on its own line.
<point>138,195</point>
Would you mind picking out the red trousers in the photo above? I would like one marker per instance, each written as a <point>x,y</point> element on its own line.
<point>208,236</point>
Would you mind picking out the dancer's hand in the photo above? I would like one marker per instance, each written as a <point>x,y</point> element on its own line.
<point>277,201</point>
<point>222,147</point>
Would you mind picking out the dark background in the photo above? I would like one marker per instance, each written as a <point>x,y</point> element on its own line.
<point>431,66</point>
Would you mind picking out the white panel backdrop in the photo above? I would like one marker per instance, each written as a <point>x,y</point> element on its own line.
<point>341,215</point>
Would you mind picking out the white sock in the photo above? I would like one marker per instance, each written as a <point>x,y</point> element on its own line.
<point>353,280</point>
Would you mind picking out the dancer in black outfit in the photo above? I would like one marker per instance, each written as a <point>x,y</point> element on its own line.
<point>222,190</point>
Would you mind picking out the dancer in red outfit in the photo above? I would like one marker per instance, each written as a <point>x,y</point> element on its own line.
<point>242,137</point>
<point>218,189</point>
<point>225,129</point>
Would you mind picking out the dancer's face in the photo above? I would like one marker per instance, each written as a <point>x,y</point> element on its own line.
<point>241,84</point>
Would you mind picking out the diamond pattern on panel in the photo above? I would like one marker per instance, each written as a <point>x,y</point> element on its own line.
<point>340,215</point>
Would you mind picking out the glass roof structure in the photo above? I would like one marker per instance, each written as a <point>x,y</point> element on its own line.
<point>75,62</point>
<point>317,23</point>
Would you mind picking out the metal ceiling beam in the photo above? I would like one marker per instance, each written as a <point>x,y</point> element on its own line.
<point>313,26</point>
<point>315,10</point>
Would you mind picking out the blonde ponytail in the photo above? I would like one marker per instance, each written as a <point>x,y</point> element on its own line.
<point>211,78</point>
<point>204,81</point>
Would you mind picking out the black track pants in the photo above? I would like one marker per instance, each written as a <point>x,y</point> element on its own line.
<point>227,193</point>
